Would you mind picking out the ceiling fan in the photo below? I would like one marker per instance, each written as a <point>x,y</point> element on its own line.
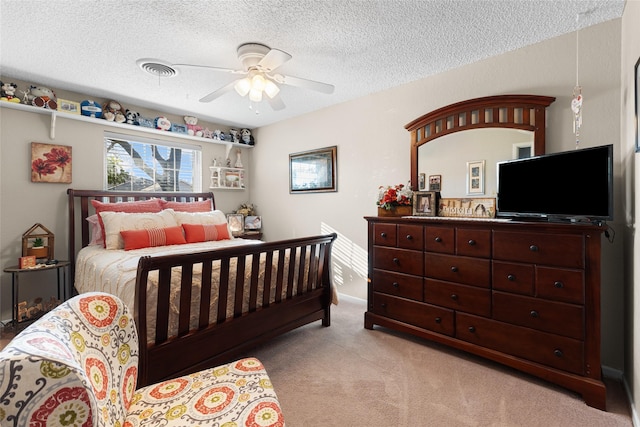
<point>258,65</point>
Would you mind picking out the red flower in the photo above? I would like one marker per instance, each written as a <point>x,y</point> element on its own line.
<point>58,157</point>
<point>42,167</point>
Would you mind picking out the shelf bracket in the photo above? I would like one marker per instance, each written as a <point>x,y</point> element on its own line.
<point>52,129</point>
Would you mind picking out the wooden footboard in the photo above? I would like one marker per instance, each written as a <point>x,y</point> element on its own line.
<point>295,289</point>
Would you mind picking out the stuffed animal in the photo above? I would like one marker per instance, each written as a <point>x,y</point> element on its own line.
<point>8,92</point>
<point>234,136</point>
<point>192,126</point>
<point>90,108</point>
<point>132,117</point>
<point>41,96</point>
<point>162,123</point>
<point>246,137</point>
<point>112,111</point>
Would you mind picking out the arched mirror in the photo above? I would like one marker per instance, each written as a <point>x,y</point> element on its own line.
<point>489,129</point>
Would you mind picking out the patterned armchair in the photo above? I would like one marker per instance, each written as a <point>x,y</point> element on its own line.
<point>78,365</point>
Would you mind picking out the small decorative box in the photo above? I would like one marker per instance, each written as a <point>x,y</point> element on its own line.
<point>148,123</point>
<point>178,128</point>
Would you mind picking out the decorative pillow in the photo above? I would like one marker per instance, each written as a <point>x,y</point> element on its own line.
<point>95,231</point>
<point>195,233</point>
<point>151,205</point>
<point>115,222</point>
<point>149,237</point>
<point>199,206</point>
<point>203,218</point>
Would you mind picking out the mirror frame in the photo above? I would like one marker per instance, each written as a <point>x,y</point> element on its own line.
<point>525,112</point>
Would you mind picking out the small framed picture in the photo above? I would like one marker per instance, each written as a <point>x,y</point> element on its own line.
<point>236,223</point>
<point>27,261</point>
<point>475,177</point>
<point>425,203</point>
<point>421,181</point>
<point>435,182</point>
<point>252,222</point>
<point>70,107</point>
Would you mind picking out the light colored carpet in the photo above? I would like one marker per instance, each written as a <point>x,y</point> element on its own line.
<point>346,375</point>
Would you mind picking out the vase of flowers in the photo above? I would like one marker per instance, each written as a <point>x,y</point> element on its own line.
<point>395,200</point>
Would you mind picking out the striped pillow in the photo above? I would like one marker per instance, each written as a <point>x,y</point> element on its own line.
<point>150,237</point>
<point>205,232</point>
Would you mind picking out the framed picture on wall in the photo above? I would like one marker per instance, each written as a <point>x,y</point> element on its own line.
<point>50,163</point>
<point>313,171</point>
<point>475,177</point>
<point>435,182</point>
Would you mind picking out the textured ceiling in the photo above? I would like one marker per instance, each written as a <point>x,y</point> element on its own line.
<point>361,47</point>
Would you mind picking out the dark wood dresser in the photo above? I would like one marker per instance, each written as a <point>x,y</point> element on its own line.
<point>524,294</point>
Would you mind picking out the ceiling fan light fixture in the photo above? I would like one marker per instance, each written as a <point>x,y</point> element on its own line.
<point>271,89</point>
<point>258,82</point>
<point>243,86</point>
<point>255,95</point>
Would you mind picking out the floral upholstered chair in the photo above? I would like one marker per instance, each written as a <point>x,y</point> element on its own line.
<point>78,365</point>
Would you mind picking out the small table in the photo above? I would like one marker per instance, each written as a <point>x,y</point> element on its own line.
<point>61,269</point>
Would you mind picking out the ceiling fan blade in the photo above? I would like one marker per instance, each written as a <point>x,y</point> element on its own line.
<point>219,92</point>
<point>273,60</point>
<point>207,67</point>
<point>276,103</point>
<point>304,83</point>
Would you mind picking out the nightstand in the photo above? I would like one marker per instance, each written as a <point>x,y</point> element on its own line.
<point>61,269</point>
<point>253,235</point>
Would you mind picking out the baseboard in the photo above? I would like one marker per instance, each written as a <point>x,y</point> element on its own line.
<point>619,375</point>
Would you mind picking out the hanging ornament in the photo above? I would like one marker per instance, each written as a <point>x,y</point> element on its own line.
<point>576,107</point>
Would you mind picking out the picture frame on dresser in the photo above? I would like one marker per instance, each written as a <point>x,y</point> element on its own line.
<point>425,203</point>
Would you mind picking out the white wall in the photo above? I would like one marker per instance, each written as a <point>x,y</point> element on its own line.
<point>373,149</point>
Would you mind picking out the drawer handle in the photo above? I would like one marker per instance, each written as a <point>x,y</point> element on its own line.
<point>472,242</point>
<point>438,320</point>
<point>511,277</point>
<point>454,297</point>
<point>396,261</point>
<point>558,285</point>
<point>558,352</point>
<point>533,248</point>
<point>454,269</point>
<point>383,234</point>
<point>534,314</point>
<point>395,285</point>
<point>472,329</point>
<point>383,305</point>
<point>438,239</point>
<point>409,237</point>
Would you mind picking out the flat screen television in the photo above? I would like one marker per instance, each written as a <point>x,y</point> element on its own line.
<point>571,186</point>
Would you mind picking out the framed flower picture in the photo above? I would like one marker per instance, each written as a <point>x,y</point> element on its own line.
<point>50,163</point>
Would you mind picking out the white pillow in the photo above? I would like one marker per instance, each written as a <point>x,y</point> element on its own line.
<point>115,222</point>
<point>202,218</point>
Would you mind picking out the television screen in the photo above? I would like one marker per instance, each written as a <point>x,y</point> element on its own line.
<point>572,185</point>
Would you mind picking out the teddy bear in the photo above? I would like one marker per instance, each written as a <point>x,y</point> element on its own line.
<point>41,96</point>
<point>246,137</point>
<point>192,126</point>
<point>8,92</point>
<point>112,111</point>
<point>234,136</point>
<point>132,117</point>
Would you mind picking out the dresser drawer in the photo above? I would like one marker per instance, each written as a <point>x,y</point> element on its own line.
<point>458,297</point>
<point>560,284</point>
<point>541,347</point>
<point>549,316</point>
<point>513,277</point>
<point>439,239</point>
<point>472,242</point>
<point>384,234</point>
<point>410,237</point>
<point>422,315</point>
<point>400,260</point>
<point>470,271</point>
<point>565,250</point>
<point>397,284</point>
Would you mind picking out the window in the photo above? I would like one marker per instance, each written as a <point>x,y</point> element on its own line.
<point>144,164</point>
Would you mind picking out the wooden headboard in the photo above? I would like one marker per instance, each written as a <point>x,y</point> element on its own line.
<point>82,198</point>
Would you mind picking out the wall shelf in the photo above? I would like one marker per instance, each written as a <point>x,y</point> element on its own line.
<point>55,114</point>
<point>227,178</point>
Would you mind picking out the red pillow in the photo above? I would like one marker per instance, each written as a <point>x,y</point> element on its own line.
<point>139,206</point>
<point>150,237</point>
<point>201,206</point>
<point>195,233</point>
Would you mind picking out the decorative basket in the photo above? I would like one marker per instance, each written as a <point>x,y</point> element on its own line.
<point>403,210</point>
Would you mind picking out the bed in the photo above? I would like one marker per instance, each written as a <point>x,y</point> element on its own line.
<point>201,303</point>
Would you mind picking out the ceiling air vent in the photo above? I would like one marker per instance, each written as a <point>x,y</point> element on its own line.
<point>156,67</point>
